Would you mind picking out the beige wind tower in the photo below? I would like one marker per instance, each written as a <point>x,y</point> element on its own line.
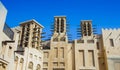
<point>59,29</point>
<point>86,56</point>
<point>31,34</point>
<point>86,28</point>
<point>57,57</point>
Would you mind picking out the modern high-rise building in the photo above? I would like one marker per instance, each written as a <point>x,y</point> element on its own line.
<point>21,47</point>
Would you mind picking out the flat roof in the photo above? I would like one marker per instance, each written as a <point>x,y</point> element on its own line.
<point>60,16</point>
<point>86,20</point>
<point>33,20</point>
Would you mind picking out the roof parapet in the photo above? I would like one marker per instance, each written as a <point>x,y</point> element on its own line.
<point>33,20</point>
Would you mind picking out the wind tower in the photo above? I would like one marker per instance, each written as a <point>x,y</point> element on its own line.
<point>86,29</point>
<point>59,32</point>
<point>31,34</point>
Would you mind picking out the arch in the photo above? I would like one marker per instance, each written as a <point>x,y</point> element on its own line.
<point>21,60</point>
<point>31,55</point>
<point>38,67</point>
<point>21,63</point>
<point>30,66</point>
<point>16,58</point>
<point>16,62</point>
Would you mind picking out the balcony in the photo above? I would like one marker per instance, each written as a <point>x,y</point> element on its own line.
<point>8,31</point>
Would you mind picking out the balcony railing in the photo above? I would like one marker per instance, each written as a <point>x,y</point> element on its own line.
<point>8,31</point>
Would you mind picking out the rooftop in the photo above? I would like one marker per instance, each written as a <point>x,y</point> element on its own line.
<point>33,20</point>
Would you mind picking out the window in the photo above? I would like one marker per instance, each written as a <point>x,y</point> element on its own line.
<point>55,63</point>
<point>111,43</point>
<point>57,25</point>
<point>91,58</point>
<point>62,52</point>
<point>46,54</point>
<point>58,69</point>
<point>62,25</point>
<point>81,57</point>
<point>21,64</point>
<point>9,51</point>
<point>35,56</point>
<point>3,66</point>
<point>16,62</point>
<point>30,66</point>
<point>89,29</point>
<point>55,52</point>
<point>38,67</point>
<point>45,64</point>
<point>45,69</point>
<point>40,58</point>
<point>31,55</point>
<point>97,43</point>
<point>62,64</point>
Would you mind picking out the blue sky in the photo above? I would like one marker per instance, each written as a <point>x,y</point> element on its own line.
<point>103,13</point>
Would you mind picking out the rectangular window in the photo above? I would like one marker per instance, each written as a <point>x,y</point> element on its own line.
<point>45,64</point>
<point>55,63</point>
<point>10,51</point>
<point>45,69</point>
<point>62,64</point>
<point>58,69</point>
<point>111,42</point>
<point>81,58</point>
<point>91,58</point>
<point>56,52</point>
<point>62,52</point>
<point>97,43</point>
<point>46,54</point>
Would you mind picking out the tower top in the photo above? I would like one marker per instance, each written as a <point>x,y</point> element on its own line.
<point>33,20</point>
<point>59,16</point>
<point>59,28</point>
<point>86,28</point>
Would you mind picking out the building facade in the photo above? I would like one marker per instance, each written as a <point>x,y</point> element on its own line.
<point>22,48</point>
<point>28,53</point>
<point>58,57</point>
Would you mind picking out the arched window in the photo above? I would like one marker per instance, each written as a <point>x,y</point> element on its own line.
<point>31,55</point>
<point>16,62</point>
<point>3,66</point>
<point>21,63</point>
<point>9,51</point>
<point>38,67</point>
<point>30,66</point>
